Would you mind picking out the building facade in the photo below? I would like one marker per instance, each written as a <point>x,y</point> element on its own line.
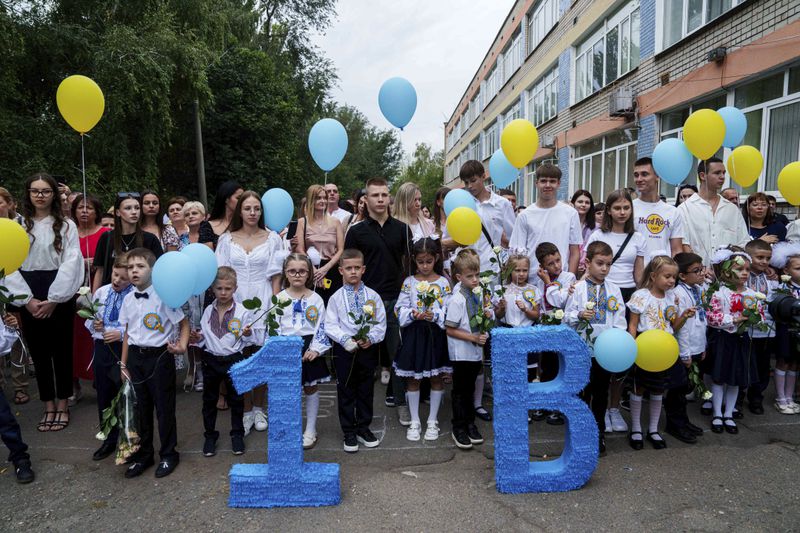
<point>605,81</point>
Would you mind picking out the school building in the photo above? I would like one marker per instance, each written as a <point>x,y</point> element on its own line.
<point>605,81</point>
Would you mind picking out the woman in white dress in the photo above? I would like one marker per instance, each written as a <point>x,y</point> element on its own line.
<point>256,254</point>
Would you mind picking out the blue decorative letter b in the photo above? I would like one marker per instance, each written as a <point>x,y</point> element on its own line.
<point>514,396</point>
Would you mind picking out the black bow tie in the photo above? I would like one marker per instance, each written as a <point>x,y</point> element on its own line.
<point>141,295</point>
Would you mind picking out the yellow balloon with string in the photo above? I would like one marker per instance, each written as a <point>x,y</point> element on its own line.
<point>80,101</point>
<point>789,183</point>
<point>464,226</point>
<point>744,165</point>
<point>656,350</point>
<point>14,246</point>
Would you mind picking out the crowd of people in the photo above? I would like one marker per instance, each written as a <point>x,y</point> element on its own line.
<point>377,289</point>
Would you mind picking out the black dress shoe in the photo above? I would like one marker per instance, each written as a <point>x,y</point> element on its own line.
<point>483,414</point>
<point>555,419</point>
<point>106,449</point>
<point>716,428</point>
<point>756,408</point>
<point>682,434</point>
<point>165,468</point>
<point>732,428</point>
<point>23,471</point>
<point>537,415</point>
<point>658,444</point>
<point>636,444</point>
<point>136,469</point>
<point>738,415</point>
<point>694,430</point>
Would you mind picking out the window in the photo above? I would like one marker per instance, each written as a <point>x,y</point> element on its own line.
<point>543,98</point>
<point>672,127</point>
<point>540,21</point>
<point>605,164</point>
<point>512,113</point>
<point>612,51</point>
<point>512,57</point>
<point>492,84</point>
<point>684,17</point>
<point>474,149</point>
<point>491,140</point>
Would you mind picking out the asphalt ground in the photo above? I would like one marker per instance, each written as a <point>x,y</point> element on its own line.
<point>744,482</point>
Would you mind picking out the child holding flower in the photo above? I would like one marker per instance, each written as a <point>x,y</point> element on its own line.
<point>786,256</point>
<point>355,322</point>
<point>523,300</point>
<point>423,352</point>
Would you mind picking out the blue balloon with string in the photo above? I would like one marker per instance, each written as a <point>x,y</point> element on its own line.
<point>501,171</point>
<point>397,99</point>
<point>735,126</point>
<point>278,208</point>
<point>327,142</point>
<point>458,198</point>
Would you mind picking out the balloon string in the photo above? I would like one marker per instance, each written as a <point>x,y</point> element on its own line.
<point>86,203</point>
<point>326,178</point>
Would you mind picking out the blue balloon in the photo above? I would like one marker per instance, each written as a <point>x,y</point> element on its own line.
<point>735,126</point>
<point>672,161</point>
<point>615,350</point>
<point>174,278</point>
<point>502,172</point>
<point>327,142</point>
<point>458,198</point>
<point>278,208</point>
<point>398,101</point>
<point>205,262</point>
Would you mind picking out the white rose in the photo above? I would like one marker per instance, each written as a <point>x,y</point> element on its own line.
<point>83,291</point>
<point>559,314</point>
<point>486,280</point>
<point>368,309</point>
<point>786,279</point>
<point>477,291</point>
<point>283,298</point>
<point>707,395</point>
<point>100,436</point>
<point>497,249</point>
<point>761,296</point>
<point>589,306</point>
<point>423,286</point>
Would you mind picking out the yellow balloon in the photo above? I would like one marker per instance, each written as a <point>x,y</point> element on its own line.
<point>657,350</point>
<point>703,133</point>
<point>744,165</point>
<point>789,183</point>
<point>464,226</point>
<point>80,102</point>
<point>519,142</point>
<point>14,247</point>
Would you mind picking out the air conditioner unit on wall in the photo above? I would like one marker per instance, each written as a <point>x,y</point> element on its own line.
<point>548,141</point>
<point>621,102</point>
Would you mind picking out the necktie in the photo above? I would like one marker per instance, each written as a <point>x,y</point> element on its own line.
<point>696,296</point>
<point>113,315</point>
<point>141,295</point>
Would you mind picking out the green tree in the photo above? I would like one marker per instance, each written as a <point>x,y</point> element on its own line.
<point>426,170</point>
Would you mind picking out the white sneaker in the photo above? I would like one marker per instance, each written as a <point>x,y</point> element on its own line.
<point>794,406</point>
<point>260,421</point>
<point>783,408</point>
<point>412,433</point>
<point>309,440</point>
<point>198,387</point>
<point>432,431</point>
<point>608,423</point>
<point>248,420</point>
<point>617,422</point>
<point>385,377</point>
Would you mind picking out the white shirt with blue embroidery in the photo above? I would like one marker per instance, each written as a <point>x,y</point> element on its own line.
<point>408,300</point>
<point>225,338</point>
<point>305,316</point>
<point>692,336</point>
<point>609,309</point>
<point>111,302</point>
<point>530,295</point>
<point>654,313</point>
<point>347,301</point>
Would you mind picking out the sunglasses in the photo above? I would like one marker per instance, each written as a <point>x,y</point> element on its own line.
<point>128,195</point>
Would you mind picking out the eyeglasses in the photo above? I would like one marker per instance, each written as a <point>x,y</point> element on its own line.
<point>697,270</point>
<point>128,195</point>
<point>296,273</point>
<point>41,193</point>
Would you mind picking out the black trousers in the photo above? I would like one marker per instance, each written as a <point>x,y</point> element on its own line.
<point>464,375</point>
<point>354,386</point>
<point>153,373</point>
<point>762,349</point>
<point>595,394</point>
<point>215,371</point>
<point>11,433</point>
<point>675,397</point>
<point>49,340</point>
<point>106,378</point>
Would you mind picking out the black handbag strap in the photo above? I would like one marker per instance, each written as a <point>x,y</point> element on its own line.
<point>622,248</point>
<point>486,234</point>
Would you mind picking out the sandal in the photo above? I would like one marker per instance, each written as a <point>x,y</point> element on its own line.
<point>21,397</point>
<point>46,423</point>
<point>58,424</point>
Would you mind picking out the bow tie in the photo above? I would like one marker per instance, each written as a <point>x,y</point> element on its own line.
<point>141,295</point>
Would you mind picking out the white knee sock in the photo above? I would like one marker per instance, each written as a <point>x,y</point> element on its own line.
<point>636,415</point>
<point>312,410</point>
<point>412,398</point>
<point>655,412</point>
<point>718,392</point>
<point>477,397</point>
<point>436,401</point>
<point>791,381</point>
<point>731,393</point>
<point>780,385</point>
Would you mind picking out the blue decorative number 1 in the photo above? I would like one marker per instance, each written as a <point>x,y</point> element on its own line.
<point>286,481</point>
<point>513,396</point>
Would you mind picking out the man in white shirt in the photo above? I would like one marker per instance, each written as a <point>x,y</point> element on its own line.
<point>548,220</point>
<point>659,222</point>
<point>333,204</point>
<point>711,221</point>
<point>497,214</point>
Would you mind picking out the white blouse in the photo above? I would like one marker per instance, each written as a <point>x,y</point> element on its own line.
<point>43,256</point>
<point>529,295</point>
<point>305,316</point>
<point>408,300</point>
<point>654,313</point>
<point>253,269</point>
